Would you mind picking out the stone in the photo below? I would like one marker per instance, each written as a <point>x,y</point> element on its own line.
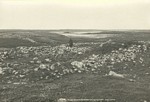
<point>1,70</point>
<point>114,74</point>
<point>77,64</point>
<point>36,69</point>
<point>47,60</point>
<point>42,66</point>
<point>62,100</point>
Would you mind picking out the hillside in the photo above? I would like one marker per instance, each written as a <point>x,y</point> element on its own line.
<point>14,38</point>
<point>113,67</point>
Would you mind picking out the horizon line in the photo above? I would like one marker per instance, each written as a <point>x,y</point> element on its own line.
<point>70,29</point>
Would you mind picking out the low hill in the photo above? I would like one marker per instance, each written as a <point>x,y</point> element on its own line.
<point>14,38</point>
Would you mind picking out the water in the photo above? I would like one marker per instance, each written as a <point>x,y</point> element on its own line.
<point>81,35</point>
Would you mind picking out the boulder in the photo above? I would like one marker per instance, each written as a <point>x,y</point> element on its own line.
<point>62,100</point>
<point>77,64</point>
<point>1,70</point>
<point>47,60</point>
<point>114,74</point>
<point>42,66</point>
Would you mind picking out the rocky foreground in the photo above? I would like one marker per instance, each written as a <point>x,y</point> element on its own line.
<point>22,65</point>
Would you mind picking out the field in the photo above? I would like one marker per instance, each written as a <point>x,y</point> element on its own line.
<point>39,65</point>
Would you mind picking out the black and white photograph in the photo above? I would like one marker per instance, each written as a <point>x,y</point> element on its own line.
<point>74,50</point>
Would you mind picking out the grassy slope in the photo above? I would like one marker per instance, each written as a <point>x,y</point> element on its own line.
<point>14,38</point>
<point>78,86</point>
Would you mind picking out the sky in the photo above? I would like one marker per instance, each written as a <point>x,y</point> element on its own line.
<point>74,14</point>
